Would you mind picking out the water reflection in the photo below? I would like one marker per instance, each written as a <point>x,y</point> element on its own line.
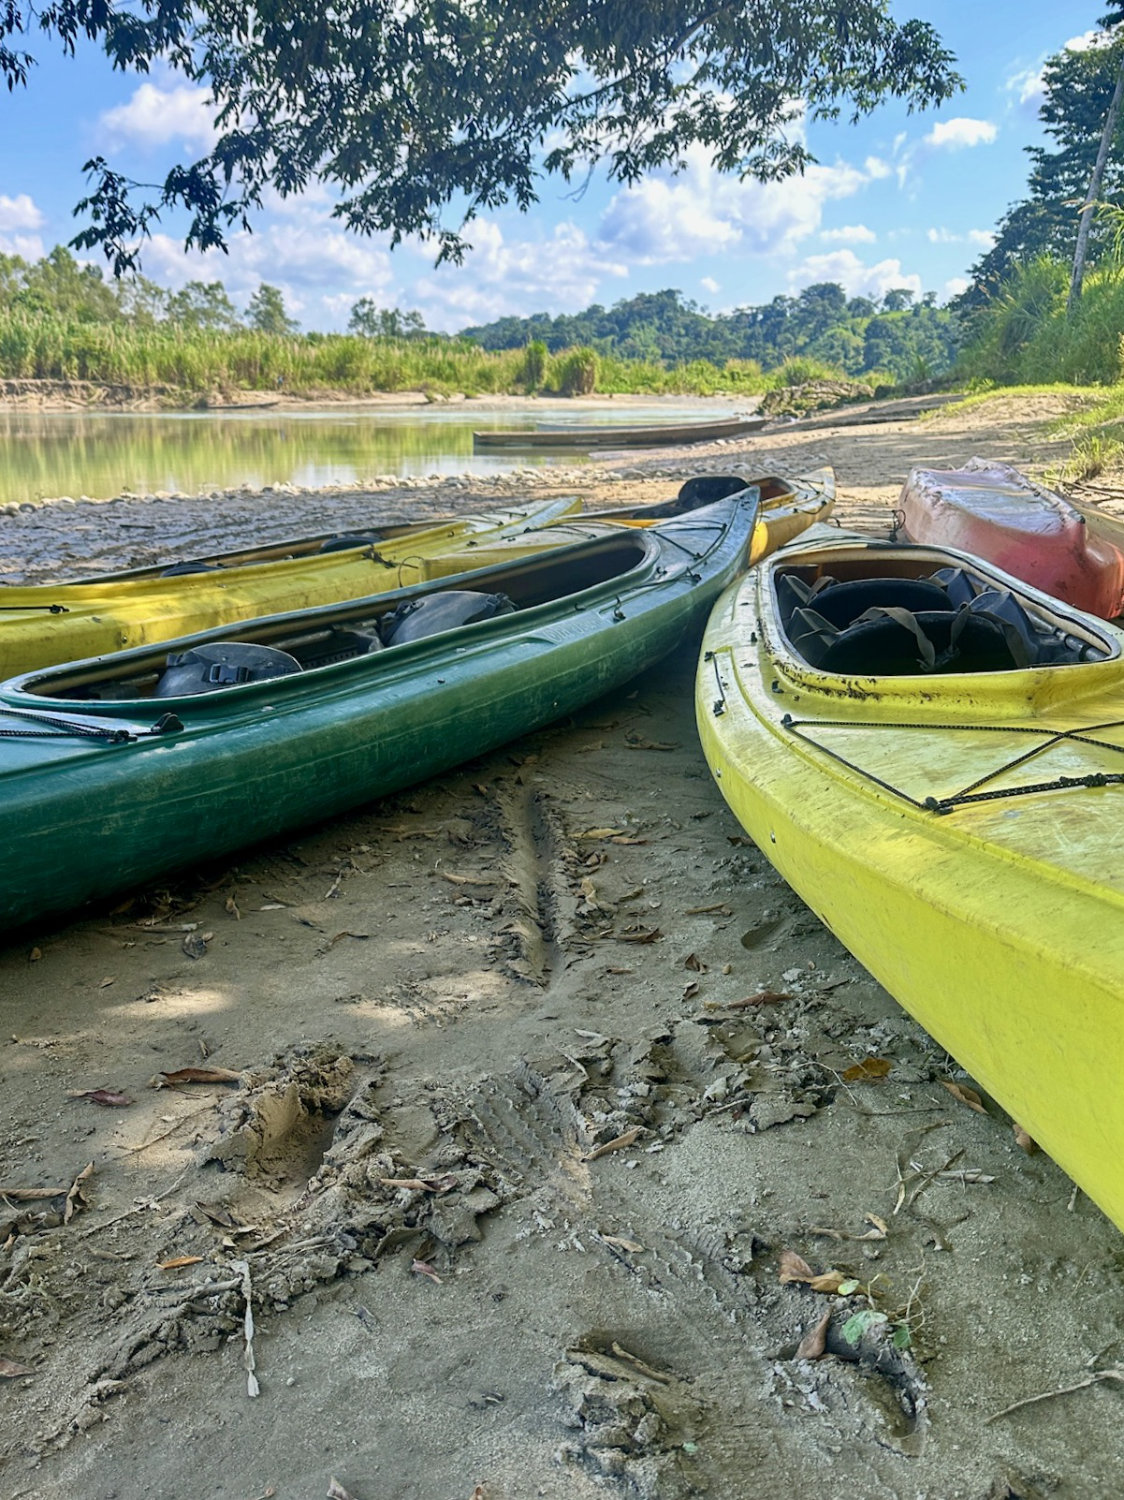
<point>107,453</point>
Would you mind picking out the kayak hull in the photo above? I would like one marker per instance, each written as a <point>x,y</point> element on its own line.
<point>991,510</point>
<point>997,921</point>
<point>85,818</point>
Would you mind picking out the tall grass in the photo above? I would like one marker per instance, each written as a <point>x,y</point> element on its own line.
<point>49,347</point>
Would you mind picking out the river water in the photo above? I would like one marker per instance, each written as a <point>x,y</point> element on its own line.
<point>103,454</point>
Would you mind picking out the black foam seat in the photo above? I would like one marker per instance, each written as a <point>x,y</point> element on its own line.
<point>842,603</point>
<point>885,645</point>
<point>418,618</point>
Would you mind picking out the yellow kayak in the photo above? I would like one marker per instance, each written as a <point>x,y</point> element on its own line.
<point>42,624</point>
<point>787,506</point>
<point>932,754</point>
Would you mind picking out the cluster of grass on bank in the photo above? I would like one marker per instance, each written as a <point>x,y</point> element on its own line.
<point>198,362</point>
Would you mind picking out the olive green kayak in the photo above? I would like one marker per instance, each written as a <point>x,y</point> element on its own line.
<point>119,769</point>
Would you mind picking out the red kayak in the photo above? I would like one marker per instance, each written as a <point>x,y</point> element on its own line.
<point>996,513</point>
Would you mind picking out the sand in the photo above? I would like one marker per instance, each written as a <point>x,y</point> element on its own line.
<point>436,1010</point>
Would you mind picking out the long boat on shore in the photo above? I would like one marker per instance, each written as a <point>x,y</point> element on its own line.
<point>1074,552</point>
<point>52,622</point>
<point>932,755</point>
<point>652,435</point>
<point>120,769</point>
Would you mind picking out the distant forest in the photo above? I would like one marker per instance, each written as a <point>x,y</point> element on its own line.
<point>899,337</point>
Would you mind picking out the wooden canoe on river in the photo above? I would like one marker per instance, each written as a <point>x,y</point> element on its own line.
<point>650,436</point>
<point>932,754</point>
<point>118,770</point>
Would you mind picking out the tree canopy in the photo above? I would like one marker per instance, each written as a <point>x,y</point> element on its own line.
<point>421,113</point>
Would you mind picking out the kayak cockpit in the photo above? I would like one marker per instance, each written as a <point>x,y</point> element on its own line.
<point>874,614</point>
<point>286,645</point>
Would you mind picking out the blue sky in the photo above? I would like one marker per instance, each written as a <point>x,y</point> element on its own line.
<point>898,200</point>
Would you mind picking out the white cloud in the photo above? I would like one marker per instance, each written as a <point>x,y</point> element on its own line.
<point>856,278</point>
<point>709,284</point>
<point>960,132</point>
<point>156,116</point>
<point>876,168</point>
<point>704,212</point>
<point>982,238</point>
<point>955,285</point>
<point>19,213</point>
<point>1028,86</point>
<point>849,234</point>
<point>1088,40</point>
<point>562,273</point>
<point>26,246</point>
<point>941,236</point>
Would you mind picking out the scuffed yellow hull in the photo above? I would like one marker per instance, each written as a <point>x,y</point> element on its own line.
<point>43,624</point>
<point>1000,925</point>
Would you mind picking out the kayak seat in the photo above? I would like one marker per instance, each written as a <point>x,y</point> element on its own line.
<point>179,570</point>
<point>323,648</point>
<point>346,543</point>
<point>705,489</point>
<point>843,603</point>
<point>221,664</point>
<point>418,618</point>
<point>891,642</point>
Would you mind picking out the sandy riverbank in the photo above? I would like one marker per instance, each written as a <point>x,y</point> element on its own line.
<point>380,963</point>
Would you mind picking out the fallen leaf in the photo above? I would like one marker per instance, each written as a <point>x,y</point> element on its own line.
<point>1023,1141</point>
<point>35,955</point>
<point>879,1224</point>
<point>618,1243</point>
<point>109,1097</point>
<point>423,1268</point>
<point>870,1067</point>
<point>625,841</point>
<point>794,1267</point>
<point>360,937</point>
<point>177,1261</point>
<point>637,742</point>
<point>639,935</point>
<point>690,989</point>
<point>618,1143</point>
<point>966,1095</point>
<point>336,1491</point>
<point>9,1370</point>
<point>830,1282</point>
<point>200,1075</point>
<point>814,1343</point>
<point>478,1493</point>
<point>763,997</point>
<point>455,879</point>
<point>423,1184</point>
<point>719,909</point>
<point>219,1216</point>
<point>105,983</point>
<point>616,969</point>
<point>232,907</point>
<point>75,1198</point>
<point>693,961</point>
<point>601,833</point>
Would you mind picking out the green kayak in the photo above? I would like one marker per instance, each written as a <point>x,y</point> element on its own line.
<point>121,768</point>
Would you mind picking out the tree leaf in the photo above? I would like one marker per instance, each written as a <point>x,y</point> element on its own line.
<point>966,1095</point>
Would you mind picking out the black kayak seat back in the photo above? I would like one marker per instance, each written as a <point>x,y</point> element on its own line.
<point>433,613</point>
<point>348,543</point>
<point>706,489</point>
<point>181,569</point>
<point>222,664</point>
<point>900,643</point>
<point>842,603</point>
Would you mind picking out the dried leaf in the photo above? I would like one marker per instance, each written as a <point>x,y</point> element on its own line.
<point>422,1184</point>
<point>690,989</point>
<point>219,1216</point>
<point>105,983</point>
<point>763,997</point>
<point>179,1260</point>
<point>619,1143</point>
<point>719,909</point>
<point>479,1493</point>
<point>360,937</point>
<point>966,1095</point>
<point>455,879</point>
<point>232,907</point>
<point>794,1267</point>
<point>637,742</point>
<point>423,1268</point>
<point>814,1343</point>
<point>625,840</point>
<point>619,1243</point>
<point>35,955</point>
<point>639,935</point>
<point>200,1075</point>
<point>829,1282</point>
<point>9,1370</point>
<point>109,1097</point>
<point>336,1491</point>
<point>32,1195</point>
<point>1024,1141</point>
<point>75,1198</point>
<point>879,1224</point>
<point>601,833</point>
<point>693,961</point>
<point>195,944</point>
<point>869,1068</point>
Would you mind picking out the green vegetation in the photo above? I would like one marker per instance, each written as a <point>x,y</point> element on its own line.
<point>60,320</point>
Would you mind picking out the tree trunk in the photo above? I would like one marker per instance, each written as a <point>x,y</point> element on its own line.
<point>1086,223</point>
